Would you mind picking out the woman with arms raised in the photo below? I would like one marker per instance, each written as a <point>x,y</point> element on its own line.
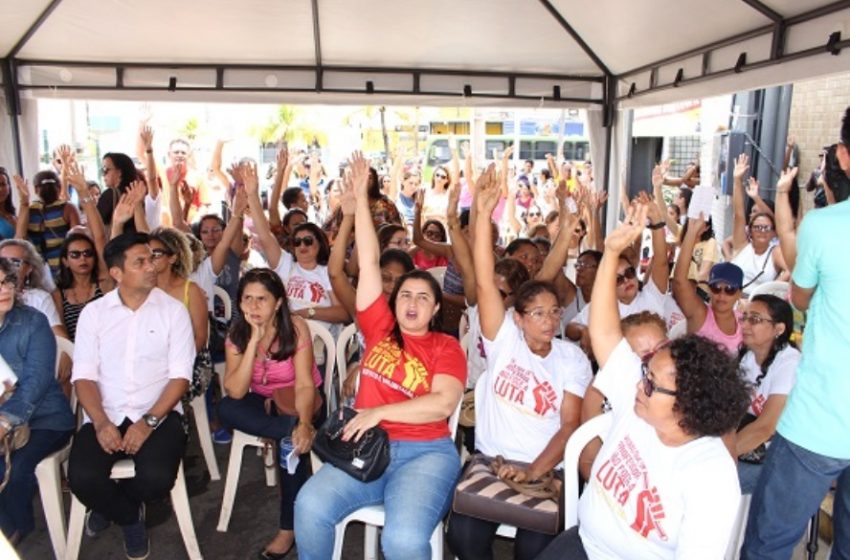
<point>411,380</point>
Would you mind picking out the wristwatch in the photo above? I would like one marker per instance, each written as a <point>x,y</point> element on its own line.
<point>311,312</point>
<point>152,421</point>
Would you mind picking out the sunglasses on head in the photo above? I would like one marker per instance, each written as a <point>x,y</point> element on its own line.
<point>87,253</point>
<point>307,240</point>
<point>717,288</point>
<point>627,274</point>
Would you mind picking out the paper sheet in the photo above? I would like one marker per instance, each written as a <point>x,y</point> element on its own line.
<point>701,202</point>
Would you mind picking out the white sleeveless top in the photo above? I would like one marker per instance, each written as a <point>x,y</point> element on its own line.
<point>758,269</point>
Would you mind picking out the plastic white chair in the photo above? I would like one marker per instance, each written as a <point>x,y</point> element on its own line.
<point>596,427</point>
<point>439,274</point>
<point>777,288</point>
<point>123,469</point>
<point>202,424</point>
<point>320,332</point>
<point>48,474</point>
<point>374,517</point>
<point>242,440</point>
<point>343,352</point>
<point>218,367</point>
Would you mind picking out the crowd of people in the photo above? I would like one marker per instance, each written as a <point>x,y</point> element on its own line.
<point>695,352</point>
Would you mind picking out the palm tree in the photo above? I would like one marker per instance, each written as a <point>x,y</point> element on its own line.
<point>292,124</point>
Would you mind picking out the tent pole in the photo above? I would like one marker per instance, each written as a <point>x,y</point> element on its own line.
<point>13,103</point>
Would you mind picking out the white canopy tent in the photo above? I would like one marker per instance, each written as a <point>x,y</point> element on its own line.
<point>601,55</point>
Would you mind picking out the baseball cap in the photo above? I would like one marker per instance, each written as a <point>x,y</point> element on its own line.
<point>726,273</point>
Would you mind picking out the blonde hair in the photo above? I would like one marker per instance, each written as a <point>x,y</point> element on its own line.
<point>175,242</point>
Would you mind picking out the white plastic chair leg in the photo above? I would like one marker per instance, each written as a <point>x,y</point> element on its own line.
<point>75,529</point>
<point>234,466</point>
<point>339,536</point>
<point>202,423</point>
<point>370,542</point>
<point>437,542</point>
<point>180,503</point>
<point>50,489</point>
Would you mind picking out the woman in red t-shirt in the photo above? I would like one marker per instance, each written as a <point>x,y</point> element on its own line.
<point>270,348</point>
<point>411,380</point>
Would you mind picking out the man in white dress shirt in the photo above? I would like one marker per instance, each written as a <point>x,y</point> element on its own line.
<point>132,363</point>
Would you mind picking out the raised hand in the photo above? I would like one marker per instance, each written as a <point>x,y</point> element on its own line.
<point>247,173</point>
<point>240,202</point>
<point>347,202</point>
<point>618,240</point>
<point>124,209</point>
<point>359,175</point>
<point>753,188</point>
<point>658,174</point>
<point>487,191</point>
<point>23,190</point>
<point>419,201</point>
<point>146,135</point>
<point>282,157</point>
<point>786,180</point>
<point>509,151</point>
<point>137,191</point>
<point>742,165</point>
<point>454,198</point>
<point>234,172</point>
<point>65,154</point>
<point>74,175</point>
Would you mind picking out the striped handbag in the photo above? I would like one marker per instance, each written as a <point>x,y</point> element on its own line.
<point>534,505</point>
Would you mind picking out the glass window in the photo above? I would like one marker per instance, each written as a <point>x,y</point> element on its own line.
<point>543,147</point>
<point>439,153</point>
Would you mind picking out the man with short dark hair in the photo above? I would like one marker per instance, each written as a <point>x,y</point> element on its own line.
<point>294,197</point>
<point>811,447</point>
<point>133,362</point>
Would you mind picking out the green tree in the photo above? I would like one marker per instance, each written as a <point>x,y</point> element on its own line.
<point>292,124</point>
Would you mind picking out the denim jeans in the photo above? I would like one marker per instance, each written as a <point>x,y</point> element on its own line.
<point>16,513</point>
<point>248,415</point>
<point>789,491</point>
<point>416,491</point>
<point>748,476</point>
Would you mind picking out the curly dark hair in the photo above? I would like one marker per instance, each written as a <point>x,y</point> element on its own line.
<point>711,394</point>
<point>322,239</point>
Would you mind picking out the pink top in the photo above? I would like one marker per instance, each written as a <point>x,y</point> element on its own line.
<point>711,331</point>
<point>268,374</point>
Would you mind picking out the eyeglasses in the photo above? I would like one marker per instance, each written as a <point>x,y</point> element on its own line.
<point>440,176</point>
<point>10,282</point>
<point>650,386</point>
<point>307,240</point>
<point>504,294</point>
<point>539,315</point>
<point>159,253</point>
<point>763,228</point>
<point>534,213</point>
<point>627,274</point>
<point>755,319</point>
<point>87,253</point>
<point>586,265</point>
<point>104,170</point>
<point>717,288</point>
<point>15,261</point>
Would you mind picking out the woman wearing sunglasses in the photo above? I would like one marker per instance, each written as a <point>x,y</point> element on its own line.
<point>769,362</point>
<point>528,401</point>
<point>717,320</point>
<point>436,199</point>
<point>631,298</point>
<point>663,485</point>
<point>754,248</point>
<point>308,287</point>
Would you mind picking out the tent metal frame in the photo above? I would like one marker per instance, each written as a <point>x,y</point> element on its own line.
<point>610,81</point>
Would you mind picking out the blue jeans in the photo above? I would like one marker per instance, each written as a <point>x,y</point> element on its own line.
<point>789,491</point>
<point>248,415</point>
<point>16,513</point>
<point>416,491</point>
<point>748,476</point>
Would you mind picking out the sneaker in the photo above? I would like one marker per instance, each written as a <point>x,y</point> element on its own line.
<point>222,436</point>
<point>137,545</point>
<point>96,523</point>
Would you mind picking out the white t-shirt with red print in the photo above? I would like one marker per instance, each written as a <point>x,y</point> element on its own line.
<point>649,500</point>
<point>779,380</point>
<point>305,288</point>
<point>518,399</point>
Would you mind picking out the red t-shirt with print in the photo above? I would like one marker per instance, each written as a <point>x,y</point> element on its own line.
<point>389,375</point>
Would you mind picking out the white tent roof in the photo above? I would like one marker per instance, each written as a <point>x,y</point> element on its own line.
<point>506,51</point>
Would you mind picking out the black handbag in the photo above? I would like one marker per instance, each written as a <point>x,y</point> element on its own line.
<point>365,460</point>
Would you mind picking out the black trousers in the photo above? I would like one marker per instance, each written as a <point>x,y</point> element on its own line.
<point>567,546</point>
<point>470,538</point>
<point>156,463</point>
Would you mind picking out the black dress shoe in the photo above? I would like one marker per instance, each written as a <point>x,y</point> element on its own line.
<point>267,555</point>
